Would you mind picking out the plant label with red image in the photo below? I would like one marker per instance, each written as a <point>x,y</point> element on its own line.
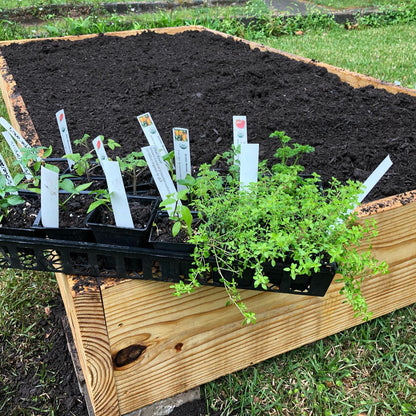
<point>16,136</point>
<point>4,171</point>
<point>249,164</point>
<point>151,133</point>
<point>17,154</point>
<point>99,149</point>
<point>160,173</point>
<point>49,197</point>
<point>63,129</point>
<point>182,154</point>
<point>119,201</point>
<point>239,132</point>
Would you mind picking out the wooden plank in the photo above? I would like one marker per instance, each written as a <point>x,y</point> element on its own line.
<point>189,341</point>
<point>86,318</point>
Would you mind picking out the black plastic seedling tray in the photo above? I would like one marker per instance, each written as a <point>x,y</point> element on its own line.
<point>113,261</point>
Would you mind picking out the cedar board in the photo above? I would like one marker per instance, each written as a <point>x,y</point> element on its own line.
<point>196,338</point>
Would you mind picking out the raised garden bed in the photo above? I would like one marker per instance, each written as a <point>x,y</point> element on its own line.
<point>175,344</point>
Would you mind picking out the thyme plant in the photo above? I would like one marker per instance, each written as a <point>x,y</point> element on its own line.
<point>284,217</point>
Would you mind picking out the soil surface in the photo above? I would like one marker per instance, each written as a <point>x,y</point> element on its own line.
<point>199,81</point>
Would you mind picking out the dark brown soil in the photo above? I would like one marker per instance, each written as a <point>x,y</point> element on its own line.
<point>140,214</point>
<point>73,213</point>
<point>23,215</point>
<point>199,81</point>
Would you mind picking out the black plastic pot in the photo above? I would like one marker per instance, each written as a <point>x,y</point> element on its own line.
<point>30,230</point>
<point>111,234</point>
<point>314,285</point>
<point>280,280</point>
<point>81,234</point>
<point>170,243</point>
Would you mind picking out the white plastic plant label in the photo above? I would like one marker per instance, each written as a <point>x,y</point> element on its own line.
<point>49,197</point>
<point>99,149</point>
<point>249,164</point>
<point>239,132</point>
<point>373,179</point>
<point>151,133</point>
<point>160,173</point>
<point>16,136</point>
<point>119,202</point>
<point>17,154</point>
<point>4,171</point>
<point>63,129</point>
<point>182,154</point>
<point>377,174</point>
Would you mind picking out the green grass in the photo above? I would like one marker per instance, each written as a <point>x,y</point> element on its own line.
<point>23,299</point>
<point>12,4</point>
<point>346,4</point>
<point>368,369</point>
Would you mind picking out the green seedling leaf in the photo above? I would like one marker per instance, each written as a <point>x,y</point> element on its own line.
<point>176,228</point>
<point>95,205</point>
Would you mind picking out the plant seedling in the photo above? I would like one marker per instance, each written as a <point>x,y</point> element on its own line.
<point>134,165</point>
<point>102,197</point>
<point>67,185</point>
<point>8,194</point>
<point>34,158</point>
<point>82,163</point>
<point>181,214</point>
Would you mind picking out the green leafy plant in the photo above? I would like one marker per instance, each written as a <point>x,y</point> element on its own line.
<point>284,217</point>
<point>102,197</point>
<point>169,158</point>
<point>34,158</point>
<point>83,163</point>
<point>134,165</point>
<point>66,184</point>
<point>9,194</point>
<point>179,213</point>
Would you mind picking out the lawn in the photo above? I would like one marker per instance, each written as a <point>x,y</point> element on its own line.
<point>367,370</point>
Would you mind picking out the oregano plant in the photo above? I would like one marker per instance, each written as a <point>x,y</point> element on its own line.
<point>285,217</point>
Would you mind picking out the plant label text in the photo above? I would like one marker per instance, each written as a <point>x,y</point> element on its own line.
<point>17,154</point>
<point>151,133</point>
<point>16,136</point>
<point>160,173</point>
<point>239,132</point>
<point>182,154</point>
<point>99,149</point>
<point>4,170</point>
<point>63,129</point>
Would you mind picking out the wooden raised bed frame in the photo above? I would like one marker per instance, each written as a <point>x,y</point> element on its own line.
<point>180,343</point>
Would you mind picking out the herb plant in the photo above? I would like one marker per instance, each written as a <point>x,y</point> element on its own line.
<point>284,217</point>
